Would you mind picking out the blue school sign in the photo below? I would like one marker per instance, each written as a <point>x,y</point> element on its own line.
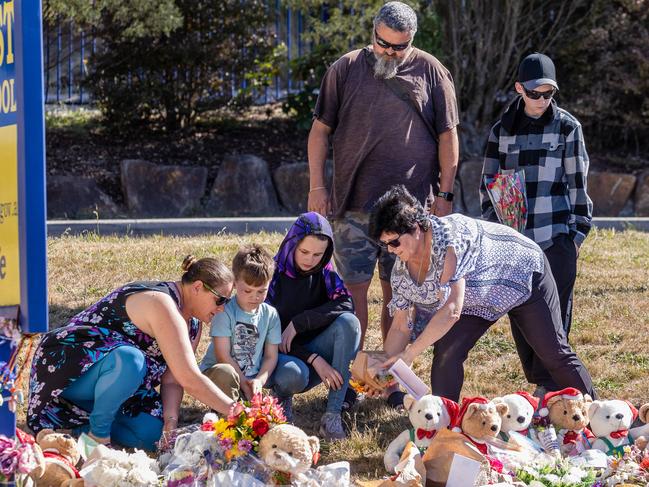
<point>23,260</point>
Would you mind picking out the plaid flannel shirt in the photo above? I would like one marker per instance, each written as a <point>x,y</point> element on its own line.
<point>552,153</point>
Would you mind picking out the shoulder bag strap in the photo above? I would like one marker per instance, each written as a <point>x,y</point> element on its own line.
<point>398,88</point>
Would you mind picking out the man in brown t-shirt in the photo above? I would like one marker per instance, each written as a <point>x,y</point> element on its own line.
<point>379,139</point>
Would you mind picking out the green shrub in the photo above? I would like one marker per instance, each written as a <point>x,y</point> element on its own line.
<point>164,62</point>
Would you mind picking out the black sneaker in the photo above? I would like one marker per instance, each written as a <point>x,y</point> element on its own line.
<point>351,397</point>
<point>395,400</point>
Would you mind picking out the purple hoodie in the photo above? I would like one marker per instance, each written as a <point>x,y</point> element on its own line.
<point>313,300</point>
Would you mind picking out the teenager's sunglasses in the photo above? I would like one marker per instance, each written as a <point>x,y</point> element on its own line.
<point>387,45</point>
<point>220,299</point>
<point>535,95</point>
<point>394,243</point>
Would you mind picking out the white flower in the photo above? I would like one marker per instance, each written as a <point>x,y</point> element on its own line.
<point>51,369</point>
<point>552,478</point>
<point>536,483</point>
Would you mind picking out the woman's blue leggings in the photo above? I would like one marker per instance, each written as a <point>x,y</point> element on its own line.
<point>103,388</point>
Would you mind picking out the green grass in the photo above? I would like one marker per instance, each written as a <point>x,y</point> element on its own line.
<point>79,121</point>
<point>610,330</point>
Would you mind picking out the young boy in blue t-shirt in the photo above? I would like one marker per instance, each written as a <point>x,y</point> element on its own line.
<point>246,335</point>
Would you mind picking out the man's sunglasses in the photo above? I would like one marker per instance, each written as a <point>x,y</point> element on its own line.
<point>394,243</point>
<point>387,45</point>
<point>535,95</point>
<point>220,299</point>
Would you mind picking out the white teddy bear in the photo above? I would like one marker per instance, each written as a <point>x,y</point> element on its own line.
<point>610,422</point>
<point>521,406</point>
<point>427,416</point>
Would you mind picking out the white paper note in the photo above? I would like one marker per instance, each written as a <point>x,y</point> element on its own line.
<point>463,473</point>
<point>408,379</point>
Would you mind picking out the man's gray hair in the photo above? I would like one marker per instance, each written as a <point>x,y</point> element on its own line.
<point>397,16</point>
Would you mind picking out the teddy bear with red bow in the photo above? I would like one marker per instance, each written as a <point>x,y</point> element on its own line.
<point>427,415</point>
<point>567,410</point>
<point>611,423</point>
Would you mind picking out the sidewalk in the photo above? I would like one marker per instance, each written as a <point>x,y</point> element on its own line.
<point>239,226</point>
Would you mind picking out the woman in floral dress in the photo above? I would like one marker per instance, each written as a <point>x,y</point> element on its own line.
<point>99,373</point>
<point>453,278</point>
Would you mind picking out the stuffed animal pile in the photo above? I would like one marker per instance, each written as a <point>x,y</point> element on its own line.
<point>577,426</point>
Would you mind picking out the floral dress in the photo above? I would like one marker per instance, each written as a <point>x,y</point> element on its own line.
<point>64,354</point>
<point>496,262</point>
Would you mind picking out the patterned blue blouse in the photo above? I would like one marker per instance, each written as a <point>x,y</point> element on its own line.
<point>496,262</point>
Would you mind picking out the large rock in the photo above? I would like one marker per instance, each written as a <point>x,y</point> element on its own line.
<point>243,187</point>
<point>469,174</point>
<point>609,192</point>
<point>642,194</point>
<point>151,190</point>
<point>76,197</point>
<point>292,184</point>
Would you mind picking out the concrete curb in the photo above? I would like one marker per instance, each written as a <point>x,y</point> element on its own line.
<point>238,226</point>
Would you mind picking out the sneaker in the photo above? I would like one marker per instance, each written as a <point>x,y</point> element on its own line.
<point>395,400</point>
<point>331,427</point>
<point>287,406</point>
<point>351,398</point>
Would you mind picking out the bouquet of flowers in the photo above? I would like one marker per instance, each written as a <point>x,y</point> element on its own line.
<point>507,194</point>
<point>247,422</point>
<point>367,372</point>
<point>632,468</point>
<point>544,434</point>
<point>560,473</point>
<point>17,459</point>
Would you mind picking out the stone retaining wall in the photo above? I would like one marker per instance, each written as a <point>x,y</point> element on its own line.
<point>245,186</point>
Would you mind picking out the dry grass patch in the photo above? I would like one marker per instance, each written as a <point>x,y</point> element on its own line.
<point>610,326</point>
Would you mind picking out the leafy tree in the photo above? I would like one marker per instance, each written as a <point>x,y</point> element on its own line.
<point>164,62</point>
<point>604,76</point>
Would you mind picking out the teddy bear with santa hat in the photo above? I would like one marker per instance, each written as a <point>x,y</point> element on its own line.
<point>521,407</point>
<point>479,420</point>
<point>567,411</point>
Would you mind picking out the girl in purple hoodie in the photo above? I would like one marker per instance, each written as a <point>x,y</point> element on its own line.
<point>320,332</point>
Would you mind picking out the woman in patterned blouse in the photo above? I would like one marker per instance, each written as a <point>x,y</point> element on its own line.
<point>100,373</point>
<point>453,278</point>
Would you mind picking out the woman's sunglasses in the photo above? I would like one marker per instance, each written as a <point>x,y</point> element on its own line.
<point>535,95</point>
<point>220,299</point>
<point>387,45</point>
<point>394,243</point>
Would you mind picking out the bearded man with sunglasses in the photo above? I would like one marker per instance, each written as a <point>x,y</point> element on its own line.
<point>547,143</point>
<point>391,113</point>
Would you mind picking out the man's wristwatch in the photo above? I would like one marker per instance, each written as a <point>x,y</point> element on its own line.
<point>445,195</point>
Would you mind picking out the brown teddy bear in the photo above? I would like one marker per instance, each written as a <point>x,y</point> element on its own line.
<point>567,411</point>
<point>288,451</point>
<point>61,457</point>
<point>480,419</point>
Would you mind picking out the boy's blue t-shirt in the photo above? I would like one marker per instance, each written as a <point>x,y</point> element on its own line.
<point>248,333</point>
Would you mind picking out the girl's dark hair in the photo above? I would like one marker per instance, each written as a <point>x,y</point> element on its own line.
<point>397,211</point>
<point>208,270</point>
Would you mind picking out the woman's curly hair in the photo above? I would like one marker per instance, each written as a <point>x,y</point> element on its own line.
<point>397,211</point>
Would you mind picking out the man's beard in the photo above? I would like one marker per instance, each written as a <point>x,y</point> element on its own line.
<point>385,66</point>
